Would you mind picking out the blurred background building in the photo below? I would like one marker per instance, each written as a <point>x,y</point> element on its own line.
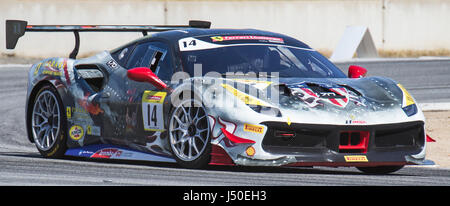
<point>398,27</point>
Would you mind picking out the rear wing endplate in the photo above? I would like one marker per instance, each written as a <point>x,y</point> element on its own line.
<point>17,28</point>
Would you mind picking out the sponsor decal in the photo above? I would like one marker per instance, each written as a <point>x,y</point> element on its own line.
<point>353,120</point>
<point>253,128</point>
<point>192,44</point>
<point>76,113</point>
<point>154,97</point>
<point>51,71</point>
<point>250,151</point>
<point>152,110</point>
<point>113,152</point>
<point>93,130</point>
<point>76,132</point>
<point>54,64</point>
<point>232,38</point>
<point>68,113</point>
<point>356,158</point>
<point>112,64</point>
<point>107,153</point>
<point>85,153</point>
<point>53,67</point>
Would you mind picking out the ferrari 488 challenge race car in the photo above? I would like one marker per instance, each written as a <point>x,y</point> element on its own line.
<point>197,96</point>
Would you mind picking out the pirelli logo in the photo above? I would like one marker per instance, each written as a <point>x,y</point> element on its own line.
<point>253,128</point>
<point>356,158</point>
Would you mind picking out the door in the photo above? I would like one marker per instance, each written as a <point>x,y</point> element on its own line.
<point>144,106</point>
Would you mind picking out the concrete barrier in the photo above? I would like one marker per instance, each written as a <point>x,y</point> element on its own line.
<point>394,24</point>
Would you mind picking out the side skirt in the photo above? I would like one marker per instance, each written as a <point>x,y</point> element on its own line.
<point>106,151</point>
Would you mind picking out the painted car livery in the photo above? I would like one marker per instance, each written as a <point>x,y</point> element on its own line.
<point>370,122</point>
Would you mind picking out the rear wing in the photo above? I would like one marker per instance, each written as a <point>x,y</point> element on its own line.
<point>17,28</point>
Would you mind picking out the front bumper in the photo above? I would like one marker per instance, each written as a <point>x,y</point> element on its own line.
<point>339,145</point>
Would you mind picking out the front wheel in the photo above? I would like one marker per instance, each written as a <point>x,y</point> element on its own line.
<point>380,170</point>
<point>47,123</point>
<point>189,134</point>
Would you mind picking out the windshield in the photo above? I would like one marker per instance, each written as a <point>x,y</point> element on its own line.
<point>286,60</point>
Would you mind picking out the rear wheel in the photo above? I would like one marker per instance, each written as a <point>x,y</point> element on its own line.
<point>47,124</point>
<point>380,170</point>
<point>189,134</point>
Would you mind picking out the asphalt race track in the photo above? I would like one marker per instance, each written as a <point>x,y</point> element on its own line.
<point>21,164</point>
<point>427,80</point>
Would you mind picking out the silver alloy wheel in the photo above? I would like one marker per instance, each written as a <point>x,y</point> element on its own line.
<point>45,120</point>
<point>189,131</point>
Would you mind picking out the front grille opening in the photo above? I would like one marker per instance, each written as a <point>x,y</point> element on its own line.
<point>408,136</point>
<point>353,141</point>
<point>301,138</point>
<point>285,139</point>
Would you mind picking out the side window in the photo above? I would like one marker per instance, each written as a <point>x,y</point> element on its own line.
<point>121,56</point>
<point>154,55</point>
<point>137,58</point>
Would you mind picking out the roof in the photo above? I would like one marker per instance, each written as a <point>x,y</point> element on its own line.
<point>175,35</point>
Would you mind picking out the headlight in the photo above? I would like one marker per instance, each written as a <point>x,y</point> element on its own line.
<point>410,110</point>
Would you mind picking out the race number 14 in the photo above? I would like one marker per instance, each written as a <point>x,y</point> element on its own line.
<point>191,43</point>
<point>152,110</point>
<point>152,120</point>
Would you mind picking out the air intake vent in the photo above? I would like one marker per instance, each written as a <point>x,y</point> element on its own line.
<point>353,141</point>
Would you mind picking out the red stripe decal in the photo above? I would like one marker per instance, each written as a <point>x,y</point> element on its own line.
<point>335,102</point>
<point>309,92</point>
<point>236,139</point>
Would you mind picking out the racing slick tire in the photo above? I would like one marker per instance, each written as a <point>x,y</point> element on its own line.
<point>189,134</point>
<point>380,170</point>
<point>48,127</point>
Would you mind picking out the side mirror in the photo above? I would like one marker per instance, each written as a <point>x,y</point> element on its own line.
<point>356,71</point>
<point>144,74</point>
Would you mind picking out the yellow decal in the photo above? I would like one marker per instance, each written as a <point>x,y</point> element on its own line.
<point>217,38</point>
<point>356,158</point>
<point>37,69</point>
<point>289,121</point>
<point>76,132</point>
<point>68,113</point>
<point>253,128</point>
<point>407,98</point>
<point>152,110</point>
<point>52,73</point>
<point>89,130</point>
<point>250,151</point>
<point>247,99</point>
<point>154,97</point>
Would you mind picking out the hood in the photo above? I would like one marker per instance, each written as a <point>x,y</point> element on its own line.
<point>335,95</point>
<point>339,94</point>
<point>370,100</point>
